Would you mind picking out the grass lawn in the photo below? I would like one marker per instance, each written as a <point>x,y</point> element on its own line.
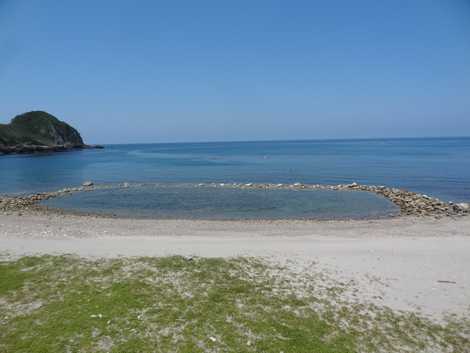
<point>174,304</point>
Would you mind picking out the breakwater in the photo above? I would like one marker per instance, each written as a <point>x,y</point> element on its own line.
<point>410,203</point>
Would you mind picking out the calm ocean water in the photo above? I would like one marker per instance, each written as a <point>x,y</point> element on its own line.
<point>438,167</point>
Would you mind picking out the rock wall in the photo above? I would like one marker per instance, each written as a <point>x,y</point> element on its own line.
<point>410,203</point>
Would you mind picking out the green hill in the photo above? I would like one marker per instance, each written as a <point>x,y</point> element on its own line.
<point>40,129</point>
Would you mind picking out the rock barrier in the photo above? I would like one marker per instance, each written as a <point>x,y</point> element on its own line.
<point>31,202</point>
<point>410,203</point>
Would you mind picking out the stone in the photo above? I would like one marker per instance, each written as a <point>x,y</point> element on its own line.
<point>464,206</point>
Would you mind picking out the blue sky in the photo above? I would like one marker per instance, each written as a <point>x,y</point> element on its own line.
<point>158,71</point>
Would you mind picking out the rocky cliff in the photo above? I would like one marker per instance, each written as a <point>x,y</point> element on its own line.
<point>38,131</point>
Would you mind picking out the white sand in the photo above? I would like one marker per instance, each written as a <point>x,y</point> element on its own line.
<point>397,262</point>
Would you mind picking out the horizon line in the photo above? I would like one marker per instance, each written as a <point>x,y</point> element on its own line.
<point>295,140</point>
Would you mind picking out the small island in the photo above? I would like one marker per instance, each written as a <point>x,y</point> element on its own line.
<point>39,131</point>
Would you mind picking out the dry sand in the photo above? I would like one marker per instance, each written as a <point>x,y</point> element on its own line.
<point>414,264</point>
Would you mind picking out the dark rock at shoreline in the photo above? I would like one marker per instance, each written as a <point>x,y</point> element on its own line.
<point>26,149</point>
<point>38,131</point>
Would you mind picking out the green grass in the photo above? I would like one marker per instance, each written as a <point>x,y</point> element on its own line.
<point>172,304</point>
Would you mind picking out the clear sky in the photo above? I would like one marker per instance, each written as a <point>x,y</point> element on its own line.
<point>158,71</point>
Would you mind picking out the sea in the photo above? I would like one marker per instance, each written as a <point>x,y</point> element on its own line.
<point>438,167</point>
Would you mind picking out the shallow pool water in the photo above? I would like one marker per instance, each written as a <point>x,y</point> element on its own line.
<point>225,203</point>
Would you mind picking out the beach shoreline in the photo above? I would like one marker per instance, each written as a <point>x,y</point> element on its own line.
<point>409,203</point>
<point>415,261</point>
<point>405,263</point>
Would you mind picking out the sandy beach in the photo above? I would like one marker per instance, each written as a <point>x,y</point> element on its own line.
<point>411,264</point>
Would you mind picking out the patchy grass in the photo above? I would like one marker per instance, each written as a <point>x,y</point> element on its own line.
<point>174,304</point>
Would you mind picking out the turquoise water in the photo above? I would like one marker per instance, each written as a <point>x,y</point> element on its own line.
<point>438,167</point>
<point>172,201</point>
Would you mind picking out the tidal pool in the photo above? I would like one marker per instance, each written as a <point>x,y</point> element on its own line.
<point>225,203</point>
